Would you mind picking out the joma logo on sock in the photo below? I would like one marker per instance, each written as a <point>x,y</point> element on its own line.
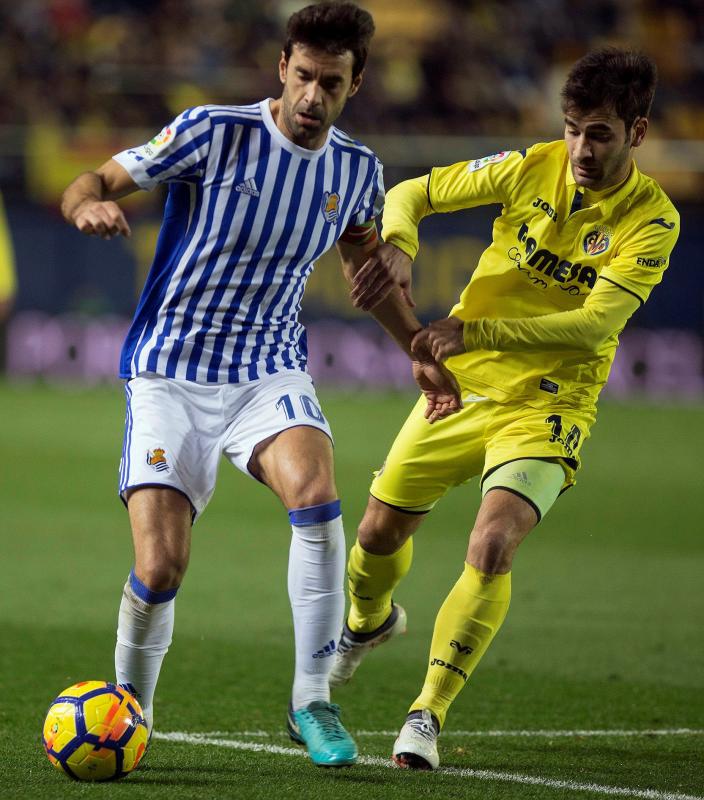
<point>440,663</point>
<point>461,648</point>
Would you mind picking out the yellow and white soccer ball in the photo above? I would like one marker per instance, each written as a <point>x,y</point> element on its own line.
<point>95,731</point>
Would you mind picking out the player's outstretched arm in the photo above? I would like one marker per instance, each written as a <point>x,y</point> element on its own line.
<point>88,202</point>
<point>605,313</point>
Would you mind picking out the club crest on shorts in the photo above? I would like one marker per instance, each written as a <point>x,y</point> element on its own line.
<point>331,201</point>
<point>156,458</point>
<point>597,241</point>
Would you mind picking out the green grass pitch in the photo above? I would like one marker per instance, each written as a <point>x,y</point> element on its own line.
<point>604,632</point>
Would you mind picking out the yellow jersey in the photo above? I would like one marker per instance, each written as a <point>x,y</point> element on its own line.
<point>552,244</point>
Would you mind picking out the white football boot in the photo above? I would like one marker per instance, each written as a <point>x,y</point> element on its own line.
<point>417,744</point>
<point>353,647</point>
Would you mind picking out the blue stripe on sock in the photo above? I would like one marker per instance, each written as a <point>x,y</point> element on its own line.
<point>146,594</point>
<point>312,515</point>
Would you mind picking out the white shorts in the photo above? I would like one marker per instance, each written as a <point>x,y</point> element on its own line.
<point>176,430</point>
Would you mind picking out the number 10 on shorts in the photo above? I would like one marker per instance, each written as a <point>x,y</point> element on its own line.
<point>310,409</point>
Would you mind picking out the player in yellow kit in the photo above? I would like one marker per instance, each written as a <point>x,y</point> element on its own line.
<point>581,240</point>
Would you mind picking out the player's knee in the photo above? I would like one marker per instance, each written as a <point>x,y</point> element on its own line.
<point>306,490</point>
<point>162,574</point>
<point>491,548</point>
<point>380,536</point>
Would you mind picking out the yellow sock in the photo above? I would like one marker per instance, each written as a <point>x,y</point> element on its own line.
<point>466,623</point>
<point>371,579</point>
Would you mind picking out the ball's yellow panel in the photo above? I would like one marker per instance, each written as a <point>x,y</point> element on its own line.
<point>90,749</point>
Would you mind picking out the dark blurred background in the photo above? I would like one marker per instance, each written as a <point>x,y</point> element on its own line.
<point>446,81</point>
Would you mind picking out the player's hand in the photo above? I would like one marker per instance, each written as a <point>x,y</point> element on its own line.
<point>438,384</point>
<point>440,388</point>
<point>102,218</point>
<point>386,268</point>
<point>443,338</point>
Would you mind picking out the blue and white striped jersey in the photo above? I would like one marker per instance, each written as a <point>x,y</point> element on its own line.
<point>248,213</point>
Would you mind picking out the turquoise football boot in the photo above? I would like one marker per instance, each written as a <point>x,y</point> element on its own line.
<point>318,727</point>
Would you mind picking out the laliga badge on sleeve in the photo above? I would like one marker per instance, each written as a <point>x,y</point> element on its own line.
<point>161,139</point>
<point>479,163</point>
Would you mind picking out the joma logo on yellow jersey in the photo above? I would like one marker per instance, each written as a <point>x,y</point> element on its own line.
<point>550,264</point>
<point>543,205</point>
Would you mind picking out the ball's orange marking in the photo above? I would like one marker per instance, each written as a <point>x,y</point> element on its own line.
<point>109,717</point>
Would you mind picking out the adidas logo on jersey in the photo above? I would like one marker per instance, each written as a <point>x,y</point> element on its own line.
<point>248,186</point>
<point>326,651</point>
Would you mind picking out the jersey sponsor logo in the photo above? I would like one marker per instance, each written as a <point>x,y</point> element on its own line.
<point>541,263</point>
<point>543,205</point>
<point>331,203</point>
<point>661,221</point>
<point>156,458</point>
<point>597,241</point>
<point>480,163</point>
<point>651,262</point>
<point>248,186</point>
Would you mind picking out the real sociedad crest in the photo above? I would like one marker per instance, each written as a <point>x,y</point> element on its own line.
<point>331,201</point>
<point>156,458</point>
<point>597,241</point>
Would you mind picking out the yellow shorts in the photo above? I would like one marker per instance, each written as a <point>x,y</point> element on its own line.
<point>427,460</point>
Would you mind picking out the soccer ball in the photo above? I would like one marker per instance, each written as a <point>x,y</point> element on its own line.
<point>95,731</point>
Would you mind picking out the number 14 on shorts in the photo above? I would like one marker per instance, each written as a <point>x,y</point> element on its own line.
<point>307,406</point>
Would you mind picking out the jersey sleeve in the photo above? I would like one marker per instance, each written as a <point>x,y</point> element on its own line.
<point>178,153</point>
<point>481,181</point>
<point>406,205</point>
<point>371,202</point>
<point>605,313</point>
<point>639,263</point>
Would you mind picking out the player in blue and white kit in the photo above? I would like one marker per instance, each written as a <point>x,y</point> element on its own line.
<point>216,359</point>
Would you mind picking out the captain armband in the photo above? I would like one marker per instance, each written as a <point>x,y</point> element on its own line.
<point>360,235</point>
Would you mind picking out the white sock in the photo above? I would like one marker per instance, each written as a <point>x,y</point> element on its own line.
<point>144,629</point>
<point>316,570</point>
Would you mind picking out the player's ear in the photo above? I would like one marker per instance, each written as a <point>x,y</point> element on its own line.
<point>356,83</point>
<point>283,66</point>
<point>638,131</point>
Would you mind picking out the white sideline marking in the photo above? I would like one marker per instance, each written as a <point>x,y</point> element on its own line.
<point>556,734</point>
<point>480,774</point>
<point>542,734</point>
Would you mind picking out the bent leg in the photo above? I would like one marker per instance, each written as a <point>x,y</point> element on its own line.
<point>161,531</point>
<point>379,560</point>
<point>478,602</point>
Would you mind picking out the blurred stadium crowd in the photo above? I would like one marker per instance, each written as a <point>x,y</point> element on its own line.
<point>438,66</point>
<point>447,80</point>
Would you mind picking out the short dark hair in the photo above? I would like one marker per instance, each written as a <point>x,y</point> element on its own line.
<point>333,28</point>
<point>621,80</point>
